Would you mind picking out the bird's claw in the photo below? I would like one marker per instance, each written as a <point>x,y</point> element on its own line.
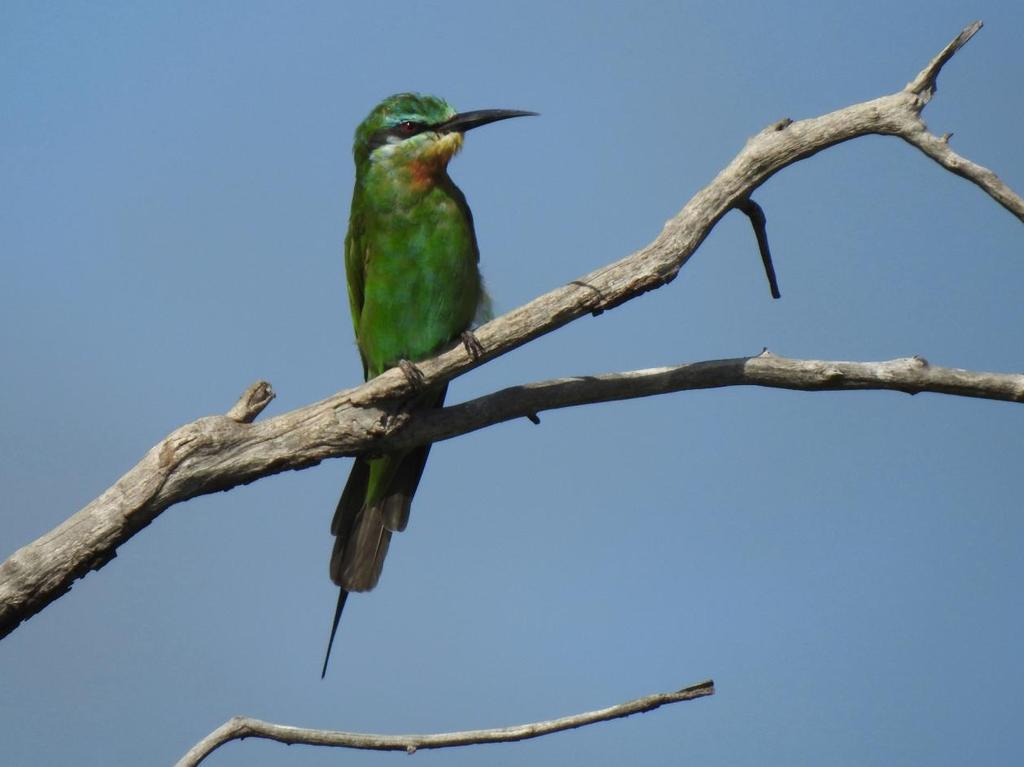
<point>472,345</point>
<point>412,375</point>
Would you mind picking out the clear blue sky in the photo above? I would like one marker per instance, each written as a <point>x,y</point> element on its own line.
<point>847,567</point>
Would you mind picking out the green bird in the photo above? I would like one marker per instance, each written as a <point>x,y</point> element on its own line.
<point>414,286</point>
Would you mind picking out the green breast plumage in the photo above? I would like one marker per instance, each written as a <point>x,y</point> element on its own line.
<point>420,282</point>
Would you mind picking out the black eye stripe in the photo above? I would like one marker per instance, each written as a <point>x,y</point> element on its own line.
<point>403,130</point>
<point>407,128</point>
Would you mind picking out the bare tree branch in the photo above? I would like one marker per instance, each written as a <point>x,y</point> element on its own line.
<point>220,452</point>
<point>937,147</point>
<point>243,727</point>
<point>911,375</point>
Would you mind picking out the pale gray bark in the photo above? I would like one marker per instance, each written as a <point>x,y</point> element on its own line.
<point>220,452</point>
<point>243,727</point>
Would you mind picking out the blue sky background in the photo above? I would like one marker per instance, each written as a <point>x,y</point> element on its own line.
<point>847,567</point>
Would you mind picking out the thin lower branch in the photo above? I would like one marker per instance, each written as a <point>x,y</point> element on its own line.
<point>910,375</point>
<point>244,727</point>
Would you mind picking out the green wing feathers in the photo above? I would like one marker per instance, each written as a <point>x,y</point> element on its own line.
<point>355,271</point>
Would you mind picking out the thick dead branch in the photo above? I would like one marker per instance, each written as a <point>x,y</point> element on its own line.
<point>244,727</point>
<point>218,453</point>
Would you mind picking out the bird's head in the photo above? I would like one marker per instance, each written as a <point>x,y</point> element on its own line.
<point>419,132</point>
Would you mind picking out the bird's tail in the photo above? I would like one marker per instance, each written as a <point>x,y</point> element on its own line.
<point>374,504</point>
<point>342,596</point>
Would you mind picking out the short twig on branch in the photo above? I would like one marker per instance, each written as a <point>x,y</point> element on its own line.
<point>252,402</point>
<point>221,452</point>
<point>244,727</point>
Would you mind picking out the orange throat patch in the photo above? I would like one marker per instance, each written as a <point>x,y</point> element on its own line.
<point>426,168</point>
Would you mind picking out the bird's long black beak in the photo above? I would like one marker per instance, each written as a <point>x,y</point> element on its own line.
<point>465,121</point>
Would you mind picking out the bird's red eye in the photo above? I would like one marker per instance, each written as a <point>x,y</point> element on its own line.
<point>407,126</point>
